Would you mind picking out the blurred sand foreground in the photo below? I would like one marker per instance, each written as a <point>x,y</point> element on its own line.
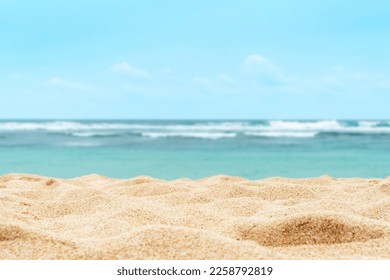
<point>220,217</point>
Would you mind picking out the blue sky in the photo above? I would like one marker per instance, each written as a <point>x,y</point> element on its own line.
<point>195,59</point>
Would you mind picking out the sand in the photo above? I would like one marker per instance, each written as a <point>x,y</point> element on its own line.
<point>220,217</point>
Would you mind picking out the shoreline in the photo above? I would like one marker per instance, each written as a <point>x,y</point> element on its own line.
<point>219,217</point>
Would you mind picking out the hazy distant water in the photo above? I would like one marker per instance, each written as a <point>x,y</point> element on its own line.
<point>195,149</point>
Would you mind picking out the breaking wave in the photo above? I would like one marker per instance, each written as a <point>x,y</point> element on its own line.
<point>199,129</point>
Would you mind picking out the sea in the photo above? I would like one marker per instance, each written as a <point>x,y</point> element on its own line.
<point>171,149</point>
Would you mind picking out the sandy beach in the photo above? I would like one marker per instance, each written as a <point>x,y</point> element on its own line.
<point>220,217</point>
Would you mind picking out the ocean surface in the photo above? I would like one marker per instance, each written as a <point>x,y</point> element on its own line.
<point>253,149</point>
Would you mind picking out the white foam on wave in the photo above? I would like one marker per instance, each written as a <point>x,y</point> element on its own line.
<point>283,134</point>
<point>202,135</point>
<point>196,127</point>
<point>368,123</point>
<point>325,126</point>
<point>305,125</point>
<point>222,126</point>
<point>72,126</point>
<point>59,126</point>
<point>207,130</point>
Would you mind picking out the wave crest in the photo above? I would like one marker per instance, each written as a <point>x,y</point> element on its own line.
<point>199,129</point>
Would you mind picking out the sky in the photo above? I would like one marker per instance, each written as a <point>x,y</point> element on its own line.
<point>172,59</point>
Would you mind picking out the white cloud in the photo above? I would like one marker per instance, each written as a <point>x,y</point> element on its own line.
<point>261,67</point>
<point>59,82</point>
<point>255,63</point>
<point>130,70</point>
<point>344,80</point>
<point>264,77</point>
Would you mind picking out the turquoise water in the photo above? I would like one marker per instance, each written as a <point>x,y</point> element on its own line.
<point>196,149</point>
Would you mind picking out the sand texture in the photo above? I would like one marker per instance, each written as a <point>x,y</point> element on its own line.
<point>220,217</point>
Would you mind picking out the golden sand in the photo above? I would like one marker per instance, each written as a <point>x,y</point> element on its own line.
<point>220,217</point>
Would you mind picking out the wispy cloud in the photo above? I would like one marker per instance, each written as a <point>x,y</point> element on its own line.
<point>59,82</point>
<point>339,80</point>
<point>262,68</point>
<point>130,70</point>
<point>255,63</point>
<point>342,81</point>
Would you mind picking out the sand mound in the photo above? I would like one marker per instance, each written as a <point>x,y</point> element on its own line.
<point>9,232</point>
<point>169,242</point>
<point>17,243</point>
<point>310,230</point>
<point>385,187</point>
<point>221,217</point>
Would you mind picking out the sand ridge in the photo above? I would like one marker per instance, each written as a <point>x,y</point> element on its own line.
<point>220,217</point>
